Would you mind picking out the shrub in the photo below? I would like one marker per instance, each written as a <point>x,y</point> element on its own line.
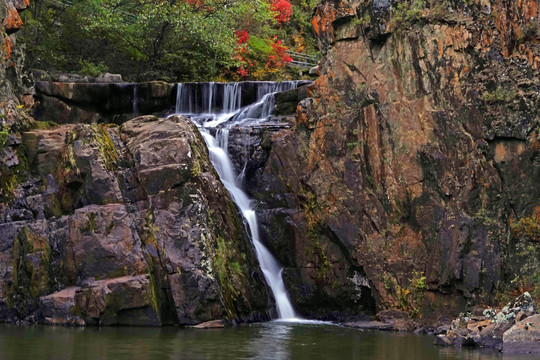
<point>91,69</point>
<point>282,9</point>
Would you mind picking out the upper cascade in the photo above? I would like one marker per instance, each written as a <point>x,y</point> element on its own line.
<point>227,98</point>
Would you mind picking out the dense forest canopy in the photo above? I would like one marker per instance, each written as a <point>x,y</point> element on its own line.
<point>174,40</point>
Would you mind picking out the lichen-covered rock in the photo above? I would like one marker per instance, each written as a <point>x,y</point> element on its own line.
<point>127,226</point>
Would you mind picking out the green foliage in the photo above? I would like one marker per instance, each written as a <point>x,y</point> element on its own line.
<point>260,46</point>
<point>522,259</point>
<point>363,21</point>
<point>499,95</point>
<point>172,40</point>
<point>91,69</point>
<point>44,125</point>
<point>410,298</point>
<point>4,135</point>
<point>418,281</point>
<point>408,11</point>
<point>528,227</point>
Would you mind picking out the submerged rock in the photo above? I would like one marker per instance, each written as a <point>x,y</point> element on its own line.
<point>214,324</point>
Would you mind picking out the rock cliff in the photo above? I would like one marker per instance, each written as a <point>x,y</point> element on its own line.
<point>410,177</point>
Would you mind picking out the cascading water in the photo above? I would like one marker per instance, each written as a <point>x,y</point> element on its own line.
<point>232,115</point>
<point>135,102</point>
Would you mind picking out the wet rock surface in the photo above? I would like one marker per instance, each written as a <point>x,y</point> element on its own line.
<point>407,180</point>
<point>69,98</point>
<point>124,226</point>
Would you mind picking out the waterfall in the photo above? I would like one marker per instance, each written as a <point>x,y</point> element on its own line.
<point>209,100</point>
<point>230,115</point>
<point>135,101</point>
<point>232,97</point>
<point>179,99</point>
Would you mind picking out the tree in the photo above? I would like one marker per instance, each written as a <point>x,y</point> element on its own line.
<point>172,40</point>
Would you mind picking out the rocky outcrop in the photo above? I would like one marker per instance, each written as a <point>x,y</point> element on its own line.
<point>513,329</point>
<point>409,179</point>
<point>68,102</point>
<point>124,226</point>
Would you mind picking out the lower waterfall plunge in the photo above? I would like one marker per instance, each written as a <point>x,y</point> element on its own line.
<point>231,115</point>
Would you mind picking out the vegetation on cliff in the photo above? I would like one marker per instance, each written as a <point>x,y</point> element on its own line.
<point>175,40</point>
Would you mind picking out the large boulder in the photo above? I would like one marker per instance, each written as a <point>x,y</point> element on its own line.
<point>524,337</point>
<point>68,100</point>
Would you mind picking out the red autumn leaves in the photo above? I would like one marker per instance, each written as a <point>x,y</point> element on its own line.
<point>249,62</point>
<point>280,58</point>
<point>199,5</point>
<point>241,50</point>
<point>283,10</point>
<point>248,59</point>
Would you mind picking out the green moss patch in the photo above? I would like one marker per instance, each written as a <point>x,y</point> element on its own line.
<point>31,271</point>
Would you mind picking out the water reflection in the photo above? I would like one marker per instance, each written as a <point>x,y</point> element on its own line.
<point>274,340</point>
<point>271,341</point>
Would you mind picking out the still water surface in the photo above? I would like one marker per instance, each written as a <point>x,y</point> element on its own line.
<point>272,340</point>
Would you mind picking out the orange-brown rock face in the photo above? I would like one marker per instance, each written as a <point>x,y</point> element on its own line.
<point>416,150</point>
<point>11,60</point>
<point>13,21</point>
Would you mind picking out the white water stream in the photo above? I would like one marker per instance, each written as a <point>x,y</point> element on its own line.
<point>233,115</point>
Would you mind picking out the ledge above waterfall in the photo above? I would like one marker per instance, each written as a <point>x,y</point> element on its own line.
<point>116,102</point>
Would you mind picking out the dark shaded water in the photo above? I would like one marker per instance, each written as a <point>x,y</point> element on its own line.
<point>260,341</point>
